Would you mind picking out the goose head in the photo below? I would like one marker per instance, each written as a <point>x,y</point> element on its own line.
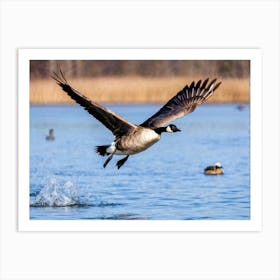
<point>172,128</point>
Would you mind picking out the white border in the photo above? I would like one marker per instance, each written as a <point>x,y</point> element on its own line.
<point>254,224</point>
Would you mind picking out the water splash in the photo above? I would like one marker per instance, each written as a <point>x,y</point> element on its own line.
<point>55,194</point>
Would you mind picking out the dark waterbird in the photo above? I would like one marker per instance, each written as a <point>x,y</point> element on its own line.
<point>131,139</point>
<point>50,137</point>
<point>215,169</point>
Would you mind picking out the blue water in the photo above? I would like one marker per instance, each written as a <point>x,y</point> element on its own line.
<point>165,182</point>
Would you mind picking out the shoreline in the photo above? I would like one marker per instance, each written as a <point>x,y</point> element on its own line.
<point>133,90</point>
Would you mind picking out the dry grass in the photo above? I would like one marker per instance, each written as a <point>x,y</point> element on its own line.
<point>132,90</point>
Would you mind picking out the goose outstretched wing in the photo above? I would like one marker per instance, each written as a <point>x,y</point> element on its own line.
<point>183,103</point>
<point>117,124</point>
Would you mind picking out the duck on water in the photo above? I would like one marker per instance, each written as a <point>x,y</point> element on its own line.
<point>215,169</point>
<point>131,139</point>
<point>50,137</point>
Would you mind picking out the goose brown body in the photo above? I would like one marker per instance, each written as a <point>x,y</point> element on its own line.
<point>137,141</point>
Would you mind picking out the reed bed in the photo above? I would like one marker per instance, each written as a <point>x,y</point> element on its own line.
<point>133,90</point>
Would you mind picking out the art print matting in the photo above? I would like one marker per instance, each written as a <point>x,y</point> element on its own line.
<point>253,223</point>
<point>149,255</point>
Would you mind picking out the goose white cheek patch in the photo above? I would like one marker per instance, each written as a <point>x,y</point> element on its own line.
<point>168,129</point>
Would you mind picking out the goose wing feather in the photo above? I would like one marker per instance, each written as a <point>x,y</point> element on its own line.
<point>183,103</point>
<point>117,124</point>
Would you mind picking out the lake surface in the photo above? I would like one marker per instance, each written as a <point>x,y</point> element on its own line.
<point>165,182</point>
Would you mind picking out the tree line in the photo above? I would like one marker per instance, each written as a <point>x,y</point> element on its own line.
<point>146,68</point>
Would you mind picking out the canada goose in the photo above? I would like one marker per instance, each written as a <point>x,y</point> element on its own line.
<point>50,136</point>
<point>131,139</point>
<point>215,169</point>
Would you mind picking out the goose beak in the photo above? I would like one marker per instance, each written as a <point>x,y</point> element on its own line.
<point>177,130</point>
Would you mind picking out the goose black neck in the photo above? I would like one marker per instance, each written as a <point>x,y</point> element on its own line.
<point>159,130</point>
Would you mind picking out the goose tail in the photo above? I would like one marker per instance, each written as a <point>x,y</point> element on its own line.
<point>102,150</point>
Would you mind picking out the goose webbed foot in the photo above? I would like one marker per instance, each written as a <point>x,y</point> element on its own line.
<point>121,162</point>
<point>107,160</point>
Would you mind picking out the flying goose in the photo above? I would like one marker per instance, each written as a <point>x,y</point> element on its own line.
<point>131,139</point>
